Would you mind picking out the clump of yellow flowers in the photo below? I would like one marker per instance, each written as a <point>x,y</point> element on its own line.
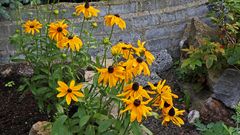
<point>135,102</point>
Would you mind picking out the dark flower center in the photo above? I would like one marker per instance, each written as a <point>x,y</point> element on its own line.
<point>31,26</point>
<point>87,4</point>
<point>69,90</point>
<point>171,112</point>
<point>137,102</point>
<point>117,15</point>
<point>59,29</point>
<point>110,69</point>
<point>135,86</point>
<point>139,60</point>
<point>166,104</point>
<point>70,37</point>
<point>124,48</point>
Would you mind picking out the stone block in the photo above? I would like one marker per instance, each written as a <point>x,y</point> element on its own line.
<point>163,61</point>
<point>4,32</point>
<point>227,88</point>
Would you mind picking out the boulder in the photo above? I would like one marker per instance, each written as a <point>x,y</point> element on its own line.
<point>143,80</point>
<point>163,61</point>
<point>193,116</point>
<point>213,111</point>
<point>16,69</point>
<point>227,88</point>
<point>41,128</point>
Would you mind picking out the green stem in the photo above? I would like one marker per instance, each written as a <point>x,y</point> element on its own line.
<point>82,27</point>
<point>126,128</point>
<point>111,33</point>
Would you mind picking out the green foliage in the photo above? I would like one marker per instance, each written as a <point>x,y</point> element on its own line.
<point>9,84</point>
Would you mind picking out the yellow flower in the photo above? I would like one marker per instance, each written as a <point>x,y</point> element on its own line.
<point>73,42</point>
<point>142,50</point>
<point>134,90</point>
<point>137,107</point>
<point>139,66</point>
<point>110,75</point>
<point>128,73</point>
<point>164,94</point>
<point>71,91</point>
<point>57,30</point>
<point>111,20</point>
<point>32,26</point>
<point>126,50</point>
<point>173,115</point>
<point>87,10</point>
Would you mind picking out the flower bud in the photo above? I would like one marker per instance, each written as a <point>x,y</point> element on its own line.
<point>106,41</point>
<point>94,25</point>
<point>56,11</point>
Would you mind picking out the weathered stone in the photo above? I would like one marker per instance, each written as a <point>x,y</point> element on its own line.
<point>213,111</point>
<point>16,69</point>
<point>162,62</point>
<point>193,116</point>
<point>227,89</point>
<point>89,76</point>
<point>195,32</point>
<point>143,80</point>
<point>41,128</point>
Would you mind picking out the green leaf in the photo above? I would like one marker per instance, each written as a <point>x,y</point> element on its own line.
<point>136,128</point>
<point>59,128</point>
<point>210,59</point>
<point>90,130</point>
<point>100,116</point>
<point>84,120</point>
<point>146,130</point>
<point>104,125</point>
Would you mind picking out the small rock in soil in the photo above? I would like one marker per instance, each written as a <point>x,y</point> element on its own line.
<point>193,116</point>
<point>213,111</point>
<point>227,89</point>
<point>41,128</point>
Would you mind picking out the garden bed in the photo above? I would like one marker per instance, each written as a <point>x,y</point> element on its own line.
<point>18,112</point>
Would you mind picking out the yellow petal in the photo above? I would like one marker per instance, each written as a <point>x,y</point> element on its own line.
<point>68,99</point>
<point>63,85</point>
<point>61,94</point>
<point>79,94</point>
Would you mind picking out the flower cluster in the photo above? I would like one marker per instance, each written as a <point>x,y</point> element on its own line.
<point>130,61</point>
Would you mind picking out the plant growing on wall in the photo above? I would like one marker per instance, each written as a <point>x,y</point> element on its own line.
<point>59,55</point>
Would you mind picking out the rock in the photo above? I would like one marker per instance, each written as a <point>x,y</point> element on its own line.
<point>194,32</point>
<point>89,76</point>
<point>143,80</point>
<point>227,89</point>
<point>163,61</point>
<point>16,69</point>
<point>193,116</point>
<point>41,128</point>
<point>213,111</point>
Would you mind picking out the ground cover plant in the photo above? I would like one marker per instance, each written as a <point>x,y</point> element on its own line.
<point>59,56</point>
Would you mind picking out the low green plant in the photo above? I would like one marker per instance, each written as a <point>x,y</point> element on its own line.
<point>10,84</point>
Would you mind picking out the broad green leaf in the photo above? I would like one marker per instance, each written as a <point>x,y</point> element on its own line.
<point>90,130</point>
<point>104,125</point>
<point>136,128</point>
<point>84,120</point>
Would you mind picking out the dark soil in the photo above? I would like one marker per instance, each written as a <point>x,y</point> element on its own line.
<point>17,112</point>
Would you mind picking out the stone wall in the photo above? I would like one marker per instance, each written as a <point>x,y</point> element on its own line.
<point>159,22</point>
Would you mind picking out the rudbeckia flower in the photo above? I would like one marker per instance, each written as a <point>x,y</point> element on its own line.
<point>173,115</point>
<point>137,108</point>
<point>32,26</point>
<point>57,30</point>
<point>134,90</point>
<point>71,92</point>
<point>110,75</point>
<point>142,50</point>
<point>164,92</point>
<point>126,50</point>
<point>111,20</point>
<point>87,10</point>
<point>73,42</point>
<point>139,66</point>
<point>128,75</point>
